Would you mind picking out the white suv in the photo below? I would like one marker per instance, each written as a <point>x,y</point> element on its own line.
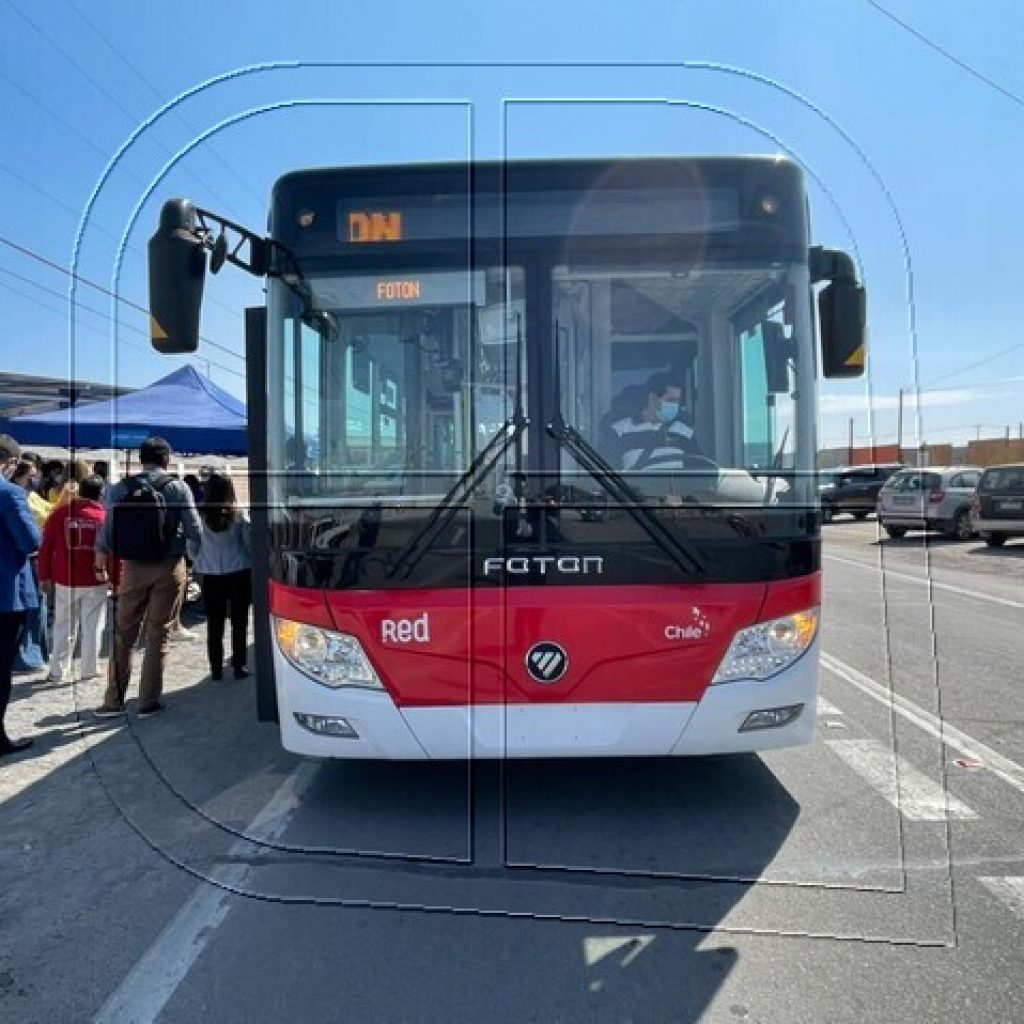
<point>936,498</point>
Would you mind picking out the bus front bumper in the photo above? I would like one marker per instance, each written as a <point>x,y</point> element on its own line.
<point>376,728</point>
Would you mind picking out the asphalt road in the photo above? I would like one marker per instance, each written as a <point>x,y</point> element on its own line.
<point>185,869</point>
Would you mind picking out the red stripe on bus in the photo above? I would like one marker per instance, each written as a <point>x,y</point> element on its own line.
<point>794,595</point>
<point>301,604</point>
<point>457,647</point>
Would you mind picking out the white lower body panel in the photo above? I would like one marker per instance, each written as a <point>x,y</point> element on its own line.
<point>458,732</point>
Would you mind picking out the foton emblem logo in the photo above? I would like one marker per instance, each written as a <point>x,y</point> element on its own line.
<point>547,662</point>
<point>405,631</point>
<point>698,628</point>
<point>522,566</point>
<point>374,227</point>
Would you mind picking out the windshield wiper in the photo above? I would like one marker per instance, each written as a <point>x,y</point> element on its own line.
<point>447,508</point>
<point>681,552</point>
<point>510,433</point>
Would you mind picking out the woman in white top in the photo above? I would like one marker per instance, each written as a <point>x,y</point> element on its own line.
<point>223,560</point>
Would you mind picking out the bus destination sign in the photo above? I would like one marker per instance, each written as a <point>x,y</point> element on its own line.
<point>374,226</point>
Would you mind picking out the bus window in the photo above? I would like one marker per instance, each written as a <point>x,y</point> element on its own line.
<point>615,332</point>
<point>412,384</point>
<point>768,416</point>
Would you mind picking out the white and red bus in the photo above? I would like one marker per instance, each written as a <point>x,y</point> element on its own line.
<point>532,452</point>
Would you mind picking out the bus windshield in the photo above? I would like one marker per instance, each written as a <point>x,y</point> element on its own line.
<point>683,380</point>
<point>411,383</point>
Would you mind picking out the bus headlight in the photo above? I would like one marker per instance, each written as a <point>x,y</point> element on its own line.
<point>763,650</point>
<point>334,659</point>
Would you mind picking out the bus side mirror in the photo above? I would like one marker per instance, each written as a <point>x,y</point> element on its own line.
<point>177,269</point>
<point>842,309</point>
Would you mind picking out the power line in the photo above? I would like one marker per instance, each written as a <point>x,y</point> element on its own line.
<point>975,364</point>
<point>99,227</point>
<point>63,315</point>
<point>66,123</point>
<point>39,190</point>
<point>98,287</point>
<point>80,13</point>
<point>47,37</point>
<point>99,313</point>
<point>962,64</point>
<point>308,389</point>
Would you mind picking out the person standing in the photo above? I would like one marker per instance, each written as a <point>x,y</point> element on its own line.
<point>101,468</point>
<point>179,631</point>
<point>151,518</point>
<point>34,645</point>
<point>19,538</point>
<point>223,560</point>
<point>52,480</point>
<point>67,565</point>
<point>26,474</point>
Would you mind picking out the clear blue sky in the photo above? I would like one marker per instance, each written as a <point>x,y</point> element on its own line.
<point>77,78</point>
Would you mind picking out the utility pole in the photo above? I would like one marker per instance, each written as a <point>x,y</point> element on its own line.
<point>849,445</point>
<point>899,428</point>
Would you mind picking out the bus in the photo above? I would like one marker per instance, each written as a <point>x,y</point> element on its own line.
<point>532,451</point>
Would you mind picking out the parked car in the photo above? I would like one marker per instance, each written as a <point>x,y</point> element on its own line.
<point>937,498</point>
<point>853,489</point>
<point>997,510</point>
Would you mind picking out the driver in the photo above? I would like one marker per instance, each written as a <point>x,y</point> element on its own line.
<point>656,436</point>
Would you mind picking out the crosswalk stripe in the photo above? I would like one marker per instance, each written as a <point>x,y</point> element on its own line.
<point>1009,771</point>
<point>597,947</point>
<point>934,584</point>
<point>1009,891</point>
<point>917,797</point>
<point>825,708</point>
<point>145,990</point>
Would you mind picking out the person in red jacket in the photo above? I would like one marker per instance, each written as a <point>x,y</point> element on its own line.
<point>66,562</point>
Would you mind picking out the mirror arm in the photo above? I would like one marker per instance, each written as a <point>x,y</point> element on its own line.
<point>266,257</point>
<point>830,265</point>
<point>210,226</point>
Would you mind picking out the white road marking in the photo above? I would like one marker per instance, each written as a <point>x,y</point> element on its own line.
<point>1009,891</point>
<point>913,794</point>
<point>825,708</point>
<point>146,988</point>
<point>1009,771</point>
<point>976,594</point>
<point>597,947</point>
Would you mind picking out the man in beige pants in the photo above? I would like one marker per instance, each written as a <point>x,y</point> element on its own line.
<point>152,515</point>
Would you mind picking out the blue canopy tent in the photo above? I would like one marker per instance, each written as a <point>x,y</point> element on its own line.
<point>186,408</point>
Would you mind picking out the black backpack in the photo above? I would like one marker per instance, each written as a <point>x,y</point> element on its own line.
<point>141,530</point>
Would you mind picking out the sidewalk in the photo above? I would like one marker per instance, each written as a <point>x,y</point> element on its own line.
<point>57,716</point>
<point>104,823</point>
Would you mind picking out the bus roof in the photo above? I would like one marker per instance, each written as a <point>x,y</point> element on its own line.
<point>760,196</point>
<point>570,168</point>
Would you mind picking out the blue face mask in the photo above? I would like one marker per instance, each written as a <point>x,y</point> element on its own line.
<point>668,411</point>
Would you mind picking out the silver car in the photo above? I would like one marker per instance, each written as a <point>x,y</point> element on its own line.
<point>936,498</point>
<point>999,504</point>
